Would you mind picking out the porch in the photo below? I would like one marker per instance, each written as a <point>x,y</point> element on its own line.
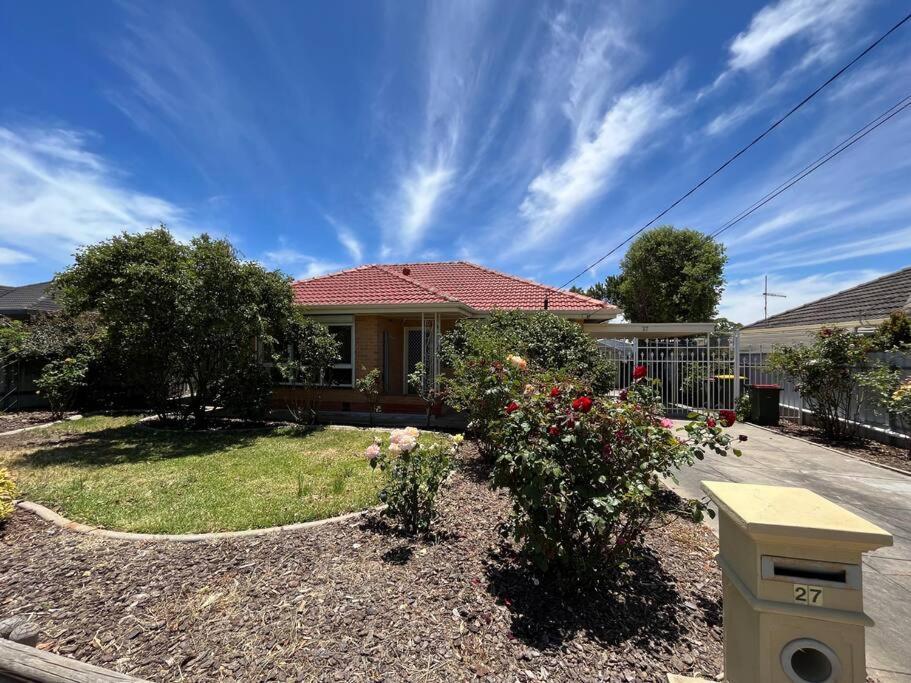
<point>392,342</point>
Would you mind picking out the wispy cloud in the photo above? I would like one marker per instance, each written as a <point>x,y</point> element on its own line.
<point>56,194</point>
<point>559,192</point>
<point>347,238</point>
<point>11,257</point>
<point>816,21</point>
<point>305,265</point>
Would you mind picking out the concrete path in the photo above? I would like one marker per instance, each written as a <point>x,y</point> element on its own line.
<point>875,493</point>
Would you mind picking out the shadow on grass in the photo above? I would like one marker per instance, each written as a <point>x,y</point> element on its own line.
<point>640,604</point>
<point>129,444</point>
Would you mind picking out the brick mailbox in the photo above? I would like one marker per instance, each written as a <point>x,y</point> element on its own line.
<point>793,584</point>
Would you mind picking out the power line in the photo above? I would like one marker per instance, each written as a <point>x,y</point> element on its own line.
<point>755,140</point>
<point>853,139</point>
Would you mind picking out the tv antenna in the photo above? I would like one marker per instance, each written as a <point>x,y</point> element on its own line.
<point>765,297</point>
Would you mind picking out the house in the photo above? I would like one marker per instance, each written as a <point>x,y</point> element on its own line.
<point>859,309</point>
<point>17,380</point>
<point>18,303</point>
<point>391,317</point>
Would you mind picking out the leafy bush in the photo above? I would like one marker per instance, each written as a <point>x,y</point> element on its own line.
<point>308,352</point>
<point>479,379</point>
<point>414,474</point>
<point>894,333</point>
<point>182,317</point>
<point>7,494</point>
<point>825,373</point>
<point>247,392</point>
<point>59,382</point>
<point>584,472</point>
<point>744,407</point>
<point>370,385</point>
<point>890,393</point>
<point>421,383</point>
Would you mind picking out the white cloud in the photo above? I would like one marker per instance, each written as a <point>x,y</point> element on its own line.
<point>743,302</point>
<point>558,192</point>
<point>11,257</point>
<point>728,119</point>
<point>287,258</point>
<point>346,238</point>
<point>816,20</point>
<point>56,194</point>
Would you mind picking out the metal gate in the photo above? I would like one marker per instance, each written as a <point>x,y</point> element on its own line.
<point>696,374</point>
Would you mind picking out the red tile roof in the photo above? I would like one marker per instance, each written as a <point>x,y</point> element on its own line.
<point>436,283</point>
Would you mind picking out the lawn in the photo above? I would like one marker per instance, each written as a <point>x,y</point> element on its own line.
<point>110,472</point>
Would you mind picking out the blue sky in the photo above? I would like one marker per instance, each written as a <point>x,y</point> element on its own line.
<point>530,137</point>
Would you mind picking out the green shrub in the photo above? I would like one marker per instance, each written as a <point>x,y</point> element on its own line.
<point>825,373</point>
<point>890,394</point>
<point>894,333</point>
<point>479,378</point>
<point>370,385</point>
<point>247,392</point>
<point>308,350</point>
<point>414,473</point>
<point>422,384</point>
<point>7,494</point>
<point>60,380</point>
<point>584,472</point>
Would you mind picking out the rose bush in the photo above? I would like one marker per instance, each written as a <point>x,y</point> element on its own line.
<point>584,472</point>
<point>414,473</point>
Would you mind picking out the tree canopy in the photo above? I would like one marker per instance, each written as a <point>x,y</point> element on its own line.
<point>667,275</point>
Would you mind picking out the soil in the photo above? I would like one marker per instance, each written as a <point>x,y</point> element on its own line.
<point>24,418</point>
<point>360,602</point>
<point>881,453</point>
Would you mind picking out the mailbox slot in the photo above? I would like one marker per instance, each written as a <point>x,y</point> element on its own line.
<point>811,572</point>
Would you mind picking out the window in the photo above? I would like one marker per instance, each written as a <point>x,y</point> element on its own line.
<point>342,372</point>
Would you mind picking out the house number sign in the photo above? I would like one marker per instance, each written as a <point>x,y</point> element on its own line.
<point>808,595</point>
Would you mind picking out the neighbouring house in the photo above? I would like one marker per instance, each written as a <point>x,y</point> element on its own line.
<point>859,309</point>
<point>391,317</point>
<point>17,380</point>
<point>19,303</point>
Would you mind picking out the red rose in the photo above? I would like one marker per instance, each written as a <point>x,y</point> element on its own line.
<point>742,437</point>
<point>639,372</point>
<point>582,404</point>
<point>728,417</point>
<point>710,423</point>
<point>555,392</point>
<point>623,395</point>
<point>607,451</point>
<point>512,407</point>
<point>553,430</point>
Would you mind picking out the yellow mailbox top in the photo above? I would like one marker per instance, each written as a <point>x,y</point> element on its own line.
<point>796,513</point>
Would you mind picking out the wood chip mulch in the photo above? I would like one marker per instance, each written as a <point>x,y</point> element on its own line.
<point>881,453</point>
<point>358,602</point>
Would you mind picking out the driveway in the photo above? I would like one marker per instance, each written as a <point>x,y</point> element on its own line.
<point>877,494</point>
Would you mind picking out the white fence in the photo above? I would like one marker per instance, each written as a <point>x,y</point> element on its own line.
<point>709,373</point>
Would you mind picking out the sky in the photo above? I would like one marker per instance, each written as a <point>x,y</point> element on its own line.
<point>531,137</point>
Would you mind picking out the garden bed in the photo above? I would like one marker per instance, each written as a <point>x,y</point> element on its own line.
<point>877,452</point>
<point>110,472</point>
<point>357,602</point>
<point>24,418</point>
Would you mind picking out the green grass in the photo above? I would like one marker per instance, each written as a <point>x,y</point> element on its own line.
<point>109,472</point>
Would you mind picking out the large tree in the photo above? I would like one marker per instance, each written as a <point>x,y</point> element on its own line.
<point>183,318</point>
<point>667,275</point>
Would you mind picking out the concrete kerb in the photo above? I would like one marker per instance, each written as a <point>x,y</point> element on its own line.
<point>68,524</point>
<point>41,426</point>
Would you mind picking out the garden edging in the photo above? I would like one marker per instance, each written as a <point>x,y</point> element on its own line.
<point>41,426</point>
<point>59,520</point>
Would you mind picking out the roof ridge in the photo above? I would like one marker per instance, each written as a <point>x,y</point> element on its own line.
<point>418,283</point>
<point>537,284</point>
<point>829,296</point>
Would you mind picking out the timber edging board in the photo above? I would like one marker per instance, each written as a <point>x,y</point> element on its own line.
<point>24,663</point>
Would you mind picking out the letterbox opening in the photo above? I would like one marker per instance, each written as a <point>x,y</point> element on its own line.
<point>794,572</point>
<point>807,660</point>
<point>811,572</point>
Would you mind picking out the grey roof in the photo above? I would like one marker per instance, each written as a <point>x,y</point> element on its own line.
<point>26,299</point>
<point>868,301</point>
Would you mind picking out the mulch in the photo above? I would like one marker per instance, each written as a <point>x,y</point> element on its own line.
<point>359,602</point>
<point>881,453</point>
<point>24,418</point>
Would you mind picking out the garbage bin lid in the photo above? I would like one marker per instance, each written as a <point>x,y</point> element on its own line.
<point>766,386</point>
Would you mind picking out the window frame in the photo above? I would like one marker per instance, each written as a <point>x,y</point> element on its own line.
<point>342,365</point>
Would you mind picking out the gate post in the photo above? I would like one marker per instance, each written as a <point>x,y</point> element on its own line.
<point>735,342</point>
